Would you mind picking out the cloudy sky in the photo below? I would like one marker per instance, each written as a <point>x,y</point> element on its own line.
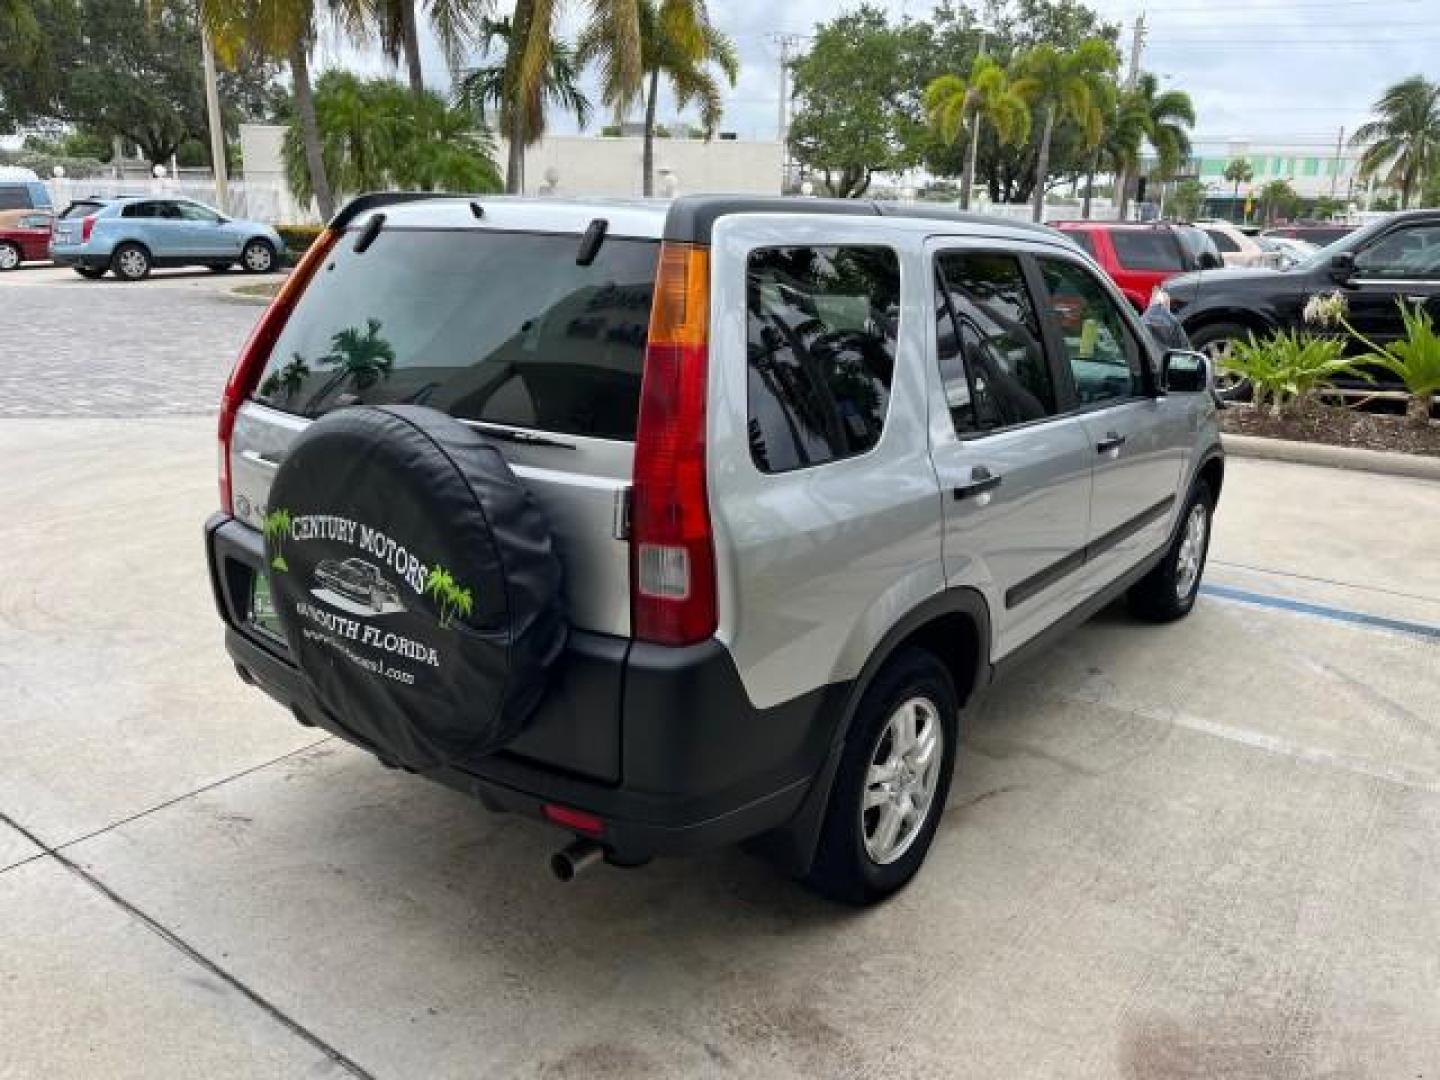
<point>1266,70</point>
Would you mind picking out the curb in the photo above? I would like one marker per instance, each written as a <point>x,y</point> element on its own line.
<point>1415,466</point>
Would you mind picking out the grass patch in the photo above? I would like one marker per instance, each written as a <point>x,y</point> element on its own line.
<point>265,289</point>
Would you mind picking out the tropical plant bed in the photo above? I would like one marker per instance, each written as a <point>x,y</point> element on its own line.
<point>1334,426</point>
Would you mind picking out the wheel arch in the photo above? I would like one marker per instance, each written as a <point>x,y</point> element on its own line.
<point>1249,318</point>
<point>954,625</point>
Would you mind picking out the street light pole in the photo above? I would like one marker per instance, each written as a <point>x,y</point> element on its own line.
<point>217,128</point>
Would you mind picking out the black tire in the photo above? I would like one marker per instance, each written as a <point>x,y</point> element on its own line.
<point>844,869</point>
<point>10,256</point>
<point>1212,339</point>
<point>130,262</point>
<point>259,257</point>
<point>90,273</point>
<point>1158,597</point>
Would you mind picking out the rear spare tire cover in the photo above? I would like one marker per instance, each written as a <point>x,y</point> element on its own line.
<point>416,582</point>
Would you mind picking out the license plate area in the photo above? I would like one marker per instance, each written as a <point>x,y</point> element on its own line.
<point>261,617</point>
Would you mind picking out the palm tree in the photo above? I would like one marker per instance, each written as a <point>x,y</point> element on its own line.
<point>677,40</point>
<point>1119,147</point>
<point>286,30</point>
<point>1167,119</point>
<point>528,64</point>
<point>379,135</point>
<point>482,91</point>
<point>952,104</point>
<point>1403,144</point>
<point>455,23</point>
<point>1065,85</point>
<point>1238,172</point>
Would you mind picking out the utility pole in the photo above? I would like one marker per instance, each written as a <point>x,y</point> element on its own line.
<point>786,42</point>
<point>1132,77</point>
<point>217,126</point>
<point>1335,169</point>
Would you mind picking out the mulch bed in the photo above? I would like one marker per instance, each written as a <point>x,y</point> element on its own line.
<point>1336,427</point>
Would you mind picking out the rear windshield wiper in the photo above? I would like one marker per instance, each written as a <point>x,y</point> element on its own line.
<point>525,438</point>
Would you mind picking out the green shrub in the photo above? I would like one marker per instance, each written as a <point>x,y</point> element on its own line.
<point>1413,359</point>
<point>1287,367</point>
<point>298,238</point>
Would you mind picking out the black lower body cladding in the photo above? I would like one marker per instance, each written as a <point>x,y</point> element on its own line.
<point>416,583</point>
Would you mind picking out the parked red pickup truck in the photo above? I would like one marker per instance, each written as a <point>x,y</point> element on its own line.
<point>1139,256</point>
<point>24,237</point>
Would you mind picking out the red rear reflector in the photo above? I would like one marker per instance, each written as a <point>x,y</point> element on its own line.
<point>672,557</point>
<point>256,351</point>
<point>576,820</point>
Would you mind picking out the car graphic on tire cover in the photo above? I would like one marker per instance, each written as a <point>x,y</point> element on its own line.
<point>359,582</point>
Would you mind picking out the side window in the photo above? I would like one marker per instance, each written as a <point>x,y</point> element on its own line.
<point>1222,240</point>
<point>1103,355</point>
<point>139,210</point>
<point>821,350</point>
<point>1406,253</point>
<point>195,212</point>
<point>1083,238</point>
<point>995,374</point>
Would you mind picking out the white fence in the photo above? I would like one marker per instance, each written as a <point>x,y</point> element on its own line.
<point>258,201</point>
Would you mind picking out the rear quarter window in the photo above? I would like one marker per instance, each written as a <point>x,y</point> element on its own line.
<point>494,326</point>
<point>821,326</point>
<point>79,209</point>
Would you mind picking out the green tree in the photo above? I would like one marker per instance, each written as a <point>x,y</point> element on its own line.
<point>858,109</point>
<point>284,30</point>
<point>376,134</point>
<point>1073,85</point>
<point>1188,200</point>
<point>528,65</point>
<point>678,41</point>
<point>1402,145</point>
<point>483,90</point>
<point>456,24</point>
<point>1278,199</point>
<point>19,27</point>
<point>1237,171</point>
<point>1166,119</point>
<point>954,104</point>
<point>1118,151</point>
<point>125,68</point>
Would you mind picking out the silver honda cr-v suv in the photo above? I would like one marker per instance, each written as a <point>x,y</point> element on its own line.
<point>680,524</point>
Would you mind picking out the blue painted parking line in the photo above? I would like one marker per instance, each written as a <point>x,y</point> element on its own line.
<point>1356,618</point>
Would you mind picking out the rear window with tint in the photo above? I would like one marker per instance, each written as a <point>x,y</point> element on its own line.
<point>79,210</point>
<point>1083,238</point>
<point>1146,249</point>
<point>493,326</point>
<point>15,197</point>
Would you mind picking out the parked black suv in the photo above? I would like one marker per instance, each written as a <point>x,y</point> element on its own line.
<point>1375,268</point>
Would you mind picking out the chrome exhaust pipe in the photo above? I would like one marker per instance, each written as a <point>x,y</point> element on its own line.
<point>575,858</point>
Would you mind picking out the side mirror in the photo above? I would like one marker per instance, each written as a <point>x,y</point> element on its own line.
<point>1211,261</point>
<point>1185,372</point>
<point>1342,266</point>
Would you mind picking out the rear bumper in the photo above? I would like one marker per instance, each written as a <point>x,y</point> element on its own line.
<point>662,744</point>
<point>74,257</point>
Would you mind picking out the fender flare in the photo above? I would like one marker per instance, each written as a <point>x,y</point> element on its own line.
<point>792,846</point>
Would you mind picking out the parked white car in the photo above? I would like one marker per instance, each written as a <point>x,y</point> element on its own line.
<point>1236,248</point>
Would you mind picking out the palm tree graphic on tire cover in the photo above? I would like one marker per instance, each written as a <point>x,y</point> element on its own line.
<point>450,597</point>
<point>276,527</point>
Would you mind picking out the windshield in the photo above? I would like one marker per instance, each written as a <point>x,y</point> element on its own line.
<point>486,325</point>
<point>1353,242</point>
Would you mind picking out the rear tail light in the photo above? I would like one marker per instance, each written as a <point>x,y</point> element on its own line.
<point>87,226</point>
<point>672,554</point>
<point>567,817</point>
<point>256,351</point>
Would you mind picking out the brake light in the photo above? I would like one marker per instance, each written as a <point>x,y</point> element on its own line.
<point>672,554</point>
<point>87,226</point>
<point>256,351</point>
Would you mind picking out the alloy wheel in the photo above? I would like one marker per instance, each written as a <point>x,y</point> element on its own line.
<point>133,263</point>
<point>258,258</point>
<point>9,257</point>
<point>901,779</point>
<point>1192,550</point>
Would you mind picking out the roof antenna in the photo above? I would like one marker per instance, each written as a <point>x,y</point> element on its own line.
<point>591,241</point>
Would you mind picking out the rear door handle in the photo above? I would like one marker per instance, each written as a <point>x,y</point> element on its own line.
<point>1112,442</point>
<point>982,482</point>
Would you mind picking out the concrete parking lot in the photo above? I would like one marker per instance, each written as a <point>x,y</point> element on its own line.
<point>1201,851</point>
